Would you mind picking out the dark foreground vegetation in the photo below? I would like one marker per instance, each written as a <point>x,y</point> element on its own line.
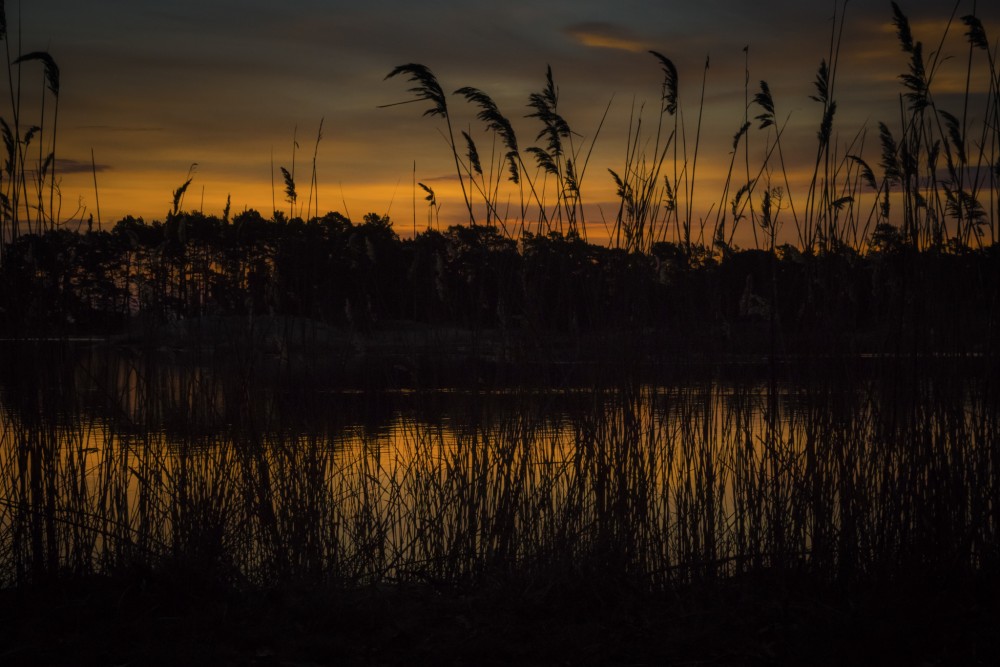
<point>774,620</point>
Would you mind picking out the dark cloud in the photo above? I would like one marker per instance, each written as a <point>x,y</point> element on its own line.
<point>113,128</point>
<point>70,166</point>
<point>440,178</point>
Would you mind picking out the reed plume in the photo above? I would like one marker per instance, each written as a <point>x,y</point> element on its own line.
<point>179,195</point>
<point>48,162</point>
<point>669,86</point>
<point>290,194</point>
<point>428,89</point>
<point>496,122</point>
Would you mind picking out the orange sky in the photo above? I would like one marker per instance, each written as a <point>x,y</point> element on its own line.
<point>153,88</point>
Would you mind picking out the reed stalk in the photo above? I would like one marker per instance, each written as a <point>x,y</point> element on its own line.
<point>428,89</point>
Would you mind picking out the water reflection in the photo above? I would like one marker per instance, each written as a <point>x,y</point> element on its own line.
<point>109,459</point>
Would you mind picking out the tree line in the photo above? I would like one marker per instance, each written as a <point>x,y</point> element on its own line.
<point>363,275</point>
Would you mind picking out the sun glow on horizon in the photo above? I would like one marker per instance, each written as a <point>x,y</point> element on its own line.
<point>146,127</point>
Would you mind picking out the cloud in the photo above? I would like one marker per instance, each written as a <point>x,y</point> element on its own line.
<point>606,36</point>
<point>441,178</point>
<point>70,166</point>
<point>118,128</point>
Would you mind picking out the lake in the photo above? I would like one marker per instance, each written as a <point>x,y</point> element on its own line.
<point>258,469</point>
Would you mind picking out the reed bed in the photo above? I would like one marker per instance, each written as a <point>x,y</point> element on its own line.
<point>871,476</point>
<point>929,182</point>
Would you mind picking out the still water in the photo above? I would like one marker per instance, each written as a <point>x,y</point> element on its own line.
<point>261,470</point>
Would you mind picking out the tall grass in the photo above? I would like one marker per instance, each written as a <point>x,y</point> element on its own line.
<point>559,159</point>
<point>936,186</point>
<point>428,89</point>
<point>28,187</point>
<point>866,473</point>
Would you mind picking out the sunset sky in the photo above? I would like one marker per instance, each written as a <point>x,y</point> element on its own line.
<point>154,87</point>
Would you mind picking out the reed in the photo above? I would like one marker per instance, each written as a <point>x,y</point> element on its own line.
<point>640,191</point>
<point>867,474</point>
<point>23,188</point>
<point>428,89</point>
<point>46,167</point>
<point>931,186</point>
<point>508,161</point>
<point>290,195</point>
<point>313,180</point>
